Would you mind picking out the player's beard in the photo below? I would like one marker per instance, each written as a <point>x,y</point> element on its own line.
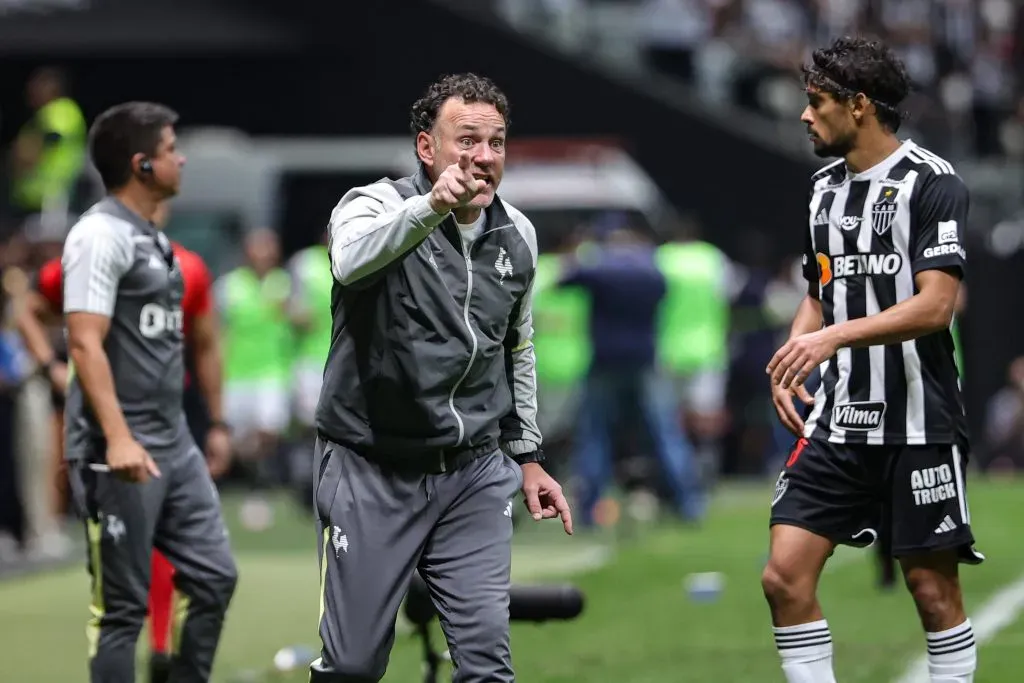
<point>839,147</point>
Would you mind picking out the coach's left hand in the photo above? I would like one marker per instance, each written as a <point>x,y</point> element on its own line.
<point>796,360</point>
<point>543,496</point>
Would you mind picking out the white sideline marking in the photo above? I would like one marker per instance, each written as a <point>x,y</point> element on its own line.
<point>998,612</point>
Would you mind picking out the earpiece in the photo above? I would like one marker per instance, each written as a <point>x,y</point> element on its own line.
<point>146,166</point>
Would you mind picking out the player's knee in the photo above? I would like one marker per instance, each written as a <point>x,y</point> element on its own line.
<point>937,597</point>
<point>786,587</point>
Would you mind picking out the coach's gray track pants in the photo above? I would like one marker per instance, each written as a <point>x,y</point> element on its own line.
<point>179,514</point>
<point>377,526</point>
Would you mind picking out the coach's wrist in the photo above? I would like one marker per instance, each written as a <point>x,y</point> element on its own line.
<point>536,456</point>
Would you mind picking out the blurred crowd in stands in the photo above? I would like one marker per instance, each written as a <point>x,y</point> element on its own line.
<point>966,56</point>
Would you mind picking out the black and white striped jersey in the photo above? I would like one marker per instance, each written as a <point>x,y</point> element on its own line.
<point>869,234</point>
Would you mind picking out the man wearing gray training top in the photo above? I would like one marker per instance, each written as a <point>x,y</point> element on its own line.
<point>427,420</point>
<point>137,477</point>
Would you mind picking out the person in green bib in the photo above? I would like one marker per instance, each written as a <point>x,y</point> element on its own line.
<point>561,342</point>
<point>258,346</point>
<point>49,152</point>
<point>693,334</point>
<point>309,307</point>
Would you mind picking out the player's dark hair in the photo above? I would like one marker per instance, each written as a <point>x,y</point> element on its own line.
<point>467,87</point>
<point>123,131</point>
<point>860,65</point>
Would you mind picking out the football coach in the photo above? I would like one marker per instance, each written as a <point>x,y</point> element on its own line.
<point>427,420</point>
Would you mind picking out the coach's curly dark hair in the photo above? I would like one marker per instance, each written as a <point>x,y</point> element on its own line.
<point>468,87</point>
<point>862,65</point>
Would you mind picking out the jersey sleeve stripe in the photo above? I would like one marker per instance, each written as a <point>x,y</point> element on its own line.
<point>96,256</point>
<point>943,164</point>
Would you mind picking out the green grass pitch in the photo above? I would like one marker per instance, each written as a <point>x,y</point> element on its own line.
<point>639,626</point>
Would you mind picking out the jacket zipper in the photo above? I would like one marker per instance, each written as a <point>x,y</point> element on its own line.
<point>472,334</point>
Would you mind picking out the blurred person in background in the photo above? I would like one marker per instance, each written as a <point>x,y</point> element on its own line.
<point>49,152</point>
<point>39,432</point>
<point>1004,422</point>
<point>886,443</point>
<point>561,341</point>
<point>309,308</point>
<point>754,331</point>
<point>693,335</point>
<point>13,372</point>
<point>252,301</point>
<point>42,307</point>
<point>136,473</point>
<point>626,290</point>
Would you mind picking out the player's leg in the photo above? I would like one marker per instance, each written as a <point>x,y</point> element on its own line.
<point>119,519</point>
<point>592,457</point>
<point>161,602</point>
<point>931,537</point>
<point>272,419</point>
<point>704,398</point>
<point>467,566</point>
<point>308,382</point>
<point>192,535</point>
<point>661,410</point>
<point>822,498</point>
<point>373,525</point>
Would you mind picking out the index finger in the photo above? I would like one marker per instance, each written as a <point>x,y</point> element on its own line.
<point>562,505</point>
<point>779,355</point>
<point>465,161</point>
<point>531,498</point>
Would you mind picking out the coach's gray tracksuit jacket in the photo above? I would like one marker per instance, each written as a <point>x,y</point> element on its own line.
<point>431,347</point>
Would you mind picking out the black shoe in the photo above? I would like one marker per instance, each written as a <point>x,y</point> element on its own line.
<point>159,667</point>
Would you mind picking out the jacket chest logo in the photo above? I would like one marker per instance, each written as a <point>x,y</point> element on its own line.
<point>503,264</point>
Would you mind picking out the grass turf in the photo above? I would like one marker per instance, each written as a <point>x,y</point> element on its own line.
<point>639,625</point>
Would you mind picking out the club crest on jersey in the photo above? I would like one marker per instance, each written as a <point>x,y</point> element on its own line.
<point>858,416</point>
<point>883,212</point>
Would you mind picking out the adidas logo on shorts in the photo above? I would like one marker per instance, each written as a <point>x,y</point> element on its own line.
<point>947,525</point>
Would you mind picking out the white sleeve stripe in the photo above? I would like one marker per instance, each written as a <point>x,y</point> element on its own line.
<point>96,255</point>
<point>99,280</point>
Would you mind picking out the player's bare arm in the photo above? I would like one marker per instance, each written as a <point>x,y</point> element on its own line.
<point>125,457</point>
<point>808,319</point>
<point>205,344</point>
<point>31,318</point>
<point>366,238</point>
<point>928,311</point>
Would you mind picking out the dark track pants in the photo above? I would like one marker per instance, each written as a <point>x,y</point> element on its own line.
<point>377,525</point>
<point>178,514</point>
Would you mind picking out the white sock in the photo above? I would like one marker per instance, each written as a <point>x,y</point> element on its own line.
<point>806,652</point>
<point>952,655</point>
